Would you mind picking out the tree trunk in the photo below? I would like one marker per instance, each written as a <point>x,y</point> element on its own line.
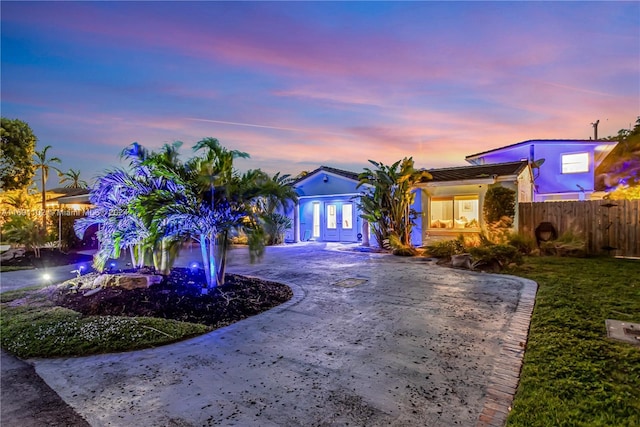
<point>208,261</point>
<point>205,263</point>
<point>163,258</point>
<point>132,251</point>
<point>44,203</point>
<point>222,250</point>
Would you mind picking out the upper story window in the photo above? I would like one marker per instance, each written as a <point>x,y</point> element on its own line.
<point>575,163</point>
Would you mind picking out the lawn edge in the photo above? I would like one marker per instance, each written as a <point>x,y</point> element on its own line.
<point>505,376</point>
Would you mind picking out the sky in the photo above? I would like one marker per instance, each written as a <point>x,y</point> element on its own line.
<point>298,85</point>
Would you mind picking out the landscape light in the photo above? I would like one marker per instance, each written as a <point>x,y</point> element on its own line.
<point>46,277</point>
<point>194,265</point>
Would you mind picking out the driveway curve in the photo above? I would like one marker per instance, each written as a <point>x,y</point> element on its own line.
<point>367,340</point>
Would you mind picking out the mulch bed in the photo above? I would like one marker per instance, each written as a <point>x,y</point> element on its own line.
<point>180,297</point>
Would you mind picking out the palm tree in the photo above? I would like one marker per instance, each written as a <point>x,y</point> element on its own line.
<point>278,194</point>
<point>44,164</point>
<point>123,212</point>
<point>73,178</point>
<point>213,203</point>
<point>119,227</point>
<point>163,202</point>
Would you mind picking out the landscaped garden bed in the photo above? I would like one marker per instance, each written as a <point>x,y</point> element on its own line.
<point>66,320</point>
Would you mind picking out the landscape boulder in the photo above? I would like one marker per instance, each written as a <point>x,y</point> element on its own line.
<point>461,261</point>
<point>126,280</point>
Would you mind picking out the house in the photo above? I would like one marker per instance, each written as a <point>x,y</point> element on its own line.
<point>69,198</point>
<point>563,169</point>
<point>71,204</point>
<point>327,207</point>
<point>451,202</point>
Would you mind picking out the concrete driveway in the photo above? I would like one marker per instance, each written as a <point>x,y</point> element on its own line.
<point>366,340</point>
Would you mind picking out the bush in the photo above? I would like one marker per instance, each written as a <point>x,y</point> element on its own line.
<point>398,249</point>
<point>25,231</point>
<point>568,244</point>
<point>501,253</point>
<point>498,232</point>
<point>524,244</point>
<point>499,202</point>
<point>447,248</point>
<point>276,225</point>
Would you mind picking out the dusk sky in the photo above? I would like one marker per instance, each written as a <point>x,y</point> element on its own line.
<point>298,85</point>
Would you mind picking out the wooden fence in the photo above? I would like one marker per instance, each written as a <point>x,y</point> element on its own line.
<point>608,226</point>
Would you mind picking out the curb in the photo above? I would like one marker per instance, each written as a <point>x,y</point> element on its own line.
<point>503,381</point>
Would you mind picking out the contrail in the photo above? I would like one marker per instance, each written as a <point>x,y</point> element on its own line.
<point>574,88</point>
<point>264,126</point>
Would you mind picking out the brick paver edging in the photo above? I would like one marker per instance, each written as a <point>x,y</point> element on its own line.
<point>503,381</point>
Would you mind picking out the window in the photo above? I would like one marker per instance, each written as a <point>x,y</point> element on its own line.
<point>575,163</point>
<point>347,216</point>
<point>457,212</point>
<point>316,219</point>
<point>331,217</point>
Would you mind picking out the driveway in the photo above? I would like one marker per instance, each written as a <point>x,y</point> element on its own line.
<point>367,340</point>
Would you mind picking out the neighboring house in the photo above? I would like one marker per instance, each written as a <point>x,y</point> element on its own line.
<point>327,207</point>
<point>69,198</point>
<point>568,169</point>
<point>71,204</point>
<point>451,202</point>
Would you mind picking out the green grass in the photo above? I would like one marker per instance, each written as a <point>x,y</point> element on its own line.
<point>7,268</point>
<point>573,375</point>
<point>9,296</point>
<point>40,329</point>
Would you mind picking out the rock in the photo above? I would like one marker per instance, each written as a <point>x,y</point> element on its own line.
<point>126,280</point>
<point>154,279</point>
<point>12,253</point>
<point>91,292</point>
<point>491,266</point>
<point>461,261</point>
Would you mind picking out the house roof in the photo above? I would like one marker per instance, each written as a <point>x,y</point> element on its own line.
<point>346,174</point>
<point>463,173</point>
<point>67,192</point>
<point>541,141</point>
<point>70,195</point>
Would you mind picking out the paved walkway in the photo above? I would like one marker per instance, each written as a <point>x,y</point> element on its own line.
<point>367,340</point>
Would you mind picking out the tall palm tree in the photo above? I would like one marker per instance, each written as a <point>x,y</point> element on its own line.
<point>124,219</point>
<point>73,178</point>
<point>44,163</point>
<point>213,203</point>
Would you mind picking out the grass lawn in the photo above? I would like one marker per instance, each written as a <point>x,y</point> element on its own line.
<point>32,326</point>
<point>7,268</point>
<point>573,375</point>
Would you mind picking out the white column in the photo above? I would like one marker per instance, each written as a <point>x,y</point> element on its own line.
<point>365,232</point>
<point>296,222</point>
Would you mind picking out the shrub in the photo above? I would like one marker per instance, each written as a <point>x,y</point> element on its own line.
<point>24,231</point>
<point>498,232</point>
<point>499,202</point>
<point>398,248</point>
<point>276,225</point>
<point>500,253</point>
<point>568,244</point>
<point>524,244</point>
<point>447,248</point>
